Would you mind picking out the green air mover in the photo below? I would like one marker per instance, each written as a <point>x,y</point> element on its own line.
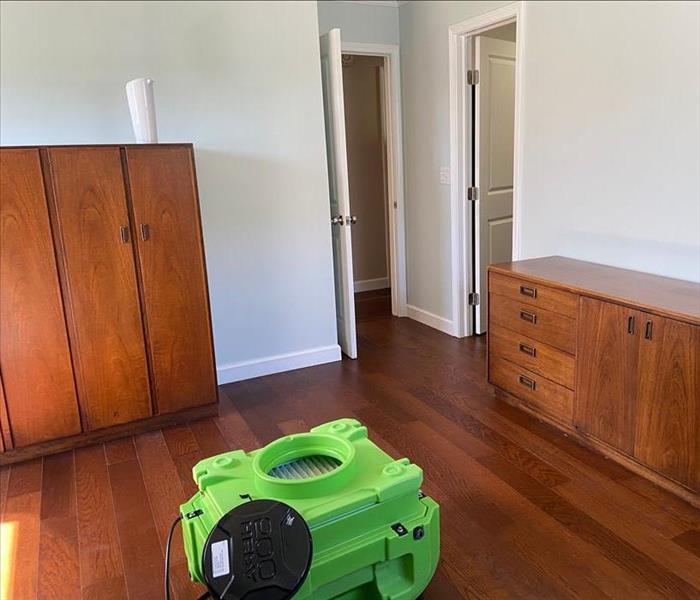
<point>324,514</point>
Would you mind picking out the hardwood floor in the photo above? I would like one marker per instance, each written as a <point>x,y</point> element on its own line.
<point>526,512</point>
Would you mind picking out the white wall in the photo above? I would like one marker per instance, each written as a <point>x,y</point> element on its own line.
<point>360,22</point>
<point>426,134</point>
<point>610,128</point>
<point>241,80</point>
<point>611,131</point>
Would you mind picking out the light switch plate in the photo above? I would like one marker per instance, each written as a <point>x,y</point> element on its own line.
<point>445,175</point>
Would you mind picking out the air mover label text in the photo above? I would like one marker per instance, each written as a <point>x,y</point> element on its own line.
<point>219,559</point>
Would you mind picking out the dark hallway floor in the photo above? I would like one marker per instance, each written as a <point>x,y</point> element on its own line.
<point>375,304</point>
<point>526,512</point>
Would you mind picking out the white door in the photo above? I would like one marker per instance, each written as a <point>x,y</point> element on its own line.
<point>493,169</point>
<point>334,110</point>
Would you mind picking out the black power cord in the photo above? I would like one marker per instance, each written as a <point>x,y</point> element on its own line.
<point>167,562</point>
<point>167,556</point>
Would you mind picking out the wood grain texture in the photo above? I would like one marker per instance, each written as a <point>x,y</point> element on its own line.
<point>138,538</point>
<point>536,356</point>
<point>658,295</point>
<point>542,296</point>
<point>667,436</point>
<point>690,540</point>
<point>164,200</point>
<point>550,398</point>
<point>525,510</point>
<point>607,373</point>
<point>100,554</point>
<point>4,421</point>
<point>107,331</point>
<point>545,326</point>
<point>59,567</point>
<point>21,531</point>
<point>162,483</point>
<point>637,376</point>
<point>107,434</point>
<point>34,353</point>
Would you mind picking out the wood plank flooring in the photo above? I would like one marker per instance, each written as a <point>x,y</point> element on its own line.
<point>526,512</point>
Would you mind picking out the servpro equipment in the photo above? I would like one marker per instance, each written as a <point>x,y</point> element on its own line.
<point>317,515</point>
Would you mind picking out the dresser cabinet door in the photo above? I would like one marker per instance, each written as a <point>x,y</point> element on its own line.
<point>668,397</point>
<point>166,217</point>
<point>110,351</point>
<point>608,347</point>
<point>34,353</point>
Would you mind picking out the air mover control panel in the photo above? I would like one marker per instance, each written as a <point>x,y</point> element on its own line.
<point>324,514</point>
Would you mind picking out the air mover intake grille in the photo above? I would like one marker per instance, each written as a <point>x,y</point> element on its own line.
<point>305,467</point>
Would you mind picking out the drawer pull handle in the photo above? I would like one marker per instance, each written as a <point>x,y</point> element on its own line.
<point>528,291</point>
<point>630,325</point>
<point>529,350</point>
<point>528,316</point>
<point>647,330</point>
<point>527,382</point>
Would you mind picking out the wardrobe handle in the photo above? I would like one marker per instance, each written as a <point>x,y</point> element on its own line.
<point>528,316</point>
<point>528,291</point>
<point>527,382</point>
<point>145,231</point>
<point>630,325</point>
<point>124,234</point>
<point>647,330</point>
<point>529,350</point>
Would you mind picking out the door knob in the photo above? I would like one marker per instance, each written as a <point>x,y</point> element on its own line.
<point>337,220</point>
<point>351,220</point>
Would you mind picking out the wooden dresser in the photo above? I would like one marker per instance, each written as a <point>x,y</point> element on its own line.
<point>610,356</point>
<point>104,310</point>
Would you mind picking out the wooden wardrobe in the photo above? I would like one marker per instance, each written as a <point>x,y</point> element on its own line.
<point>105,324</point>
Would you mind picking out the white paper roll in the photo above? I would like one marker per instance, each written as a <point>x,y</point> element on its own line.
<point>139,93</point>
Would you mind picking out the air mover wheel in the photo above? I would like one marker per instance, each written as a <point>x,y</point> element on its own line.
<point>260,550</point>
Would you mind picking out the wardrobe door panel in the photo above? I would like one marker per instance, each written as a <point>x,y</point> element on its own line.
<point>166,215</point>
<point>668,399</point>
<point>608,346</point>
<point>2,409</point>
<point>34,352</point>
<point>110,352</point>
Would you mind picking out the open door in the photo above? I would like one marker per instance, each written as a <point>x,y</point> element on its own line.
<point>334,110</point>
<point>494,121</point>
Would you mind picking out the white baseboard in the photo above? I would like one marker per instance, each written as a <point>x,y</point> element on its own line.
<point>268,365</point>
<point>367,285</point>
<point>431,320</point>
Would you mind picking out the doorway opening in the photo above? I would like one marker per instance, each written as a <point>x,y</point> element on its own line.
<point>365,172</point>
<point>366,138</point>
<point>485,66</point>
<point>491,193</point>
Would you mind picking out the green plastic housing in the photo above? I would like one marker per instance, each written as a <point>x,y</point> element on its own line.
<point>350,512</point>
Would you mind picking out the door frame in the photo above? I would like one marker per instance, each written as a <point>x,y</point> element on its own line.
<point>395,196</point>
<point>461,131</point>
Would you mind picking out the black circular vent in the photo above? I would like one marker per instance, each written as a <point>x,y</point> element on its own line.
<point>260,550</point>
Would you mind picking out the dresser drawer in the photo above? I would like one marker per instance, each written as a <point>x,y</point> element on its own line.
<point>522,290</point>
<point>533,355</point>
<point>539,324</point>
<point>533,389</point>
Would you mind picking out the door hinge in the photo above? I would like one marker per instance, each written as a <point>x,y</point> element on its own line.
<point>473,77</point>
<point>473,298</point>
<point>472,194</point>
